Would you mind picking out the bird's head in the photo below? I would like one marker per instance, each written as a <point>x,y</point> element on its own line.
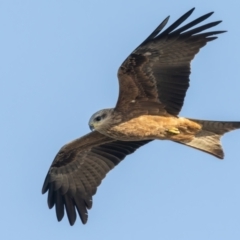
<point>100,118</point>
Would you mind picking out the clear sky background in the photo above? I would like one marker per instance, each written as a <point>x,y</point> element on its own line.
<point>59,61</point>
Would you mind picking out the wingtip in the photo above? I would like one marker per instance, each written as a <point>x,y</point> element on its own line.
<point>188,13</point>
<point>59,217</point>
<point>167,18</point>
<point>213,24</point>
<point>44,189</point>
<point>72,219</point>
<point>191,10</point>
<point>208,15</point>
<point>85,219</point>
<point>71,222</point>
<point>45,186</point>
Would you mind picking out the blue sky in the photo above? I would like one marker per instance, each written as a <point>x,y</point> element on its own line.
<point>59,61</point>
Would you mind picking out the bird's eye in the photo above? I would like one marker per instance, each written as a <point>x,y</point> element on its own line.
<point>98,118</point>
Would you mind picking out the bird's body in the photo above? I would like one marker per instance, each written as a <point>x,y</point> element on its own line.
<point>153,82</point>
<point>147,127</point>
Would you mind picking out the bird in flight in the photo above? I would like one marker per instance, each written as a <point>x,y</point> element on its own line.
<point>153,81</point>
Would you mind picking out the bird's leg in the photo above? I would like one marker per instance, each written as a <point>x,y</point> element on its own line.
<point>173,130</point>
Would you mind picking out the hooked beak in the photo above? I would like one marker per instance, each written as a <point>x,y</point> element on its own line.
<point>91,127</point>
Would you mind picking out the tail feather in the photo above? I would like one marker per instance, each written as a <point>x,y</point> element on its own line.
<point>208,138</point>
<point>218,127</point>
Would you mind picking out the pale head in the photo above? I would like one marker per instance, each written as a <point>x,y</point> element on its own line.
<point>100,119</point>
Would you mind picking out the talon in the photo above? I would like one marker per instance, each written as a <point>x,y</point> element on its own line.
<point>173,130</point>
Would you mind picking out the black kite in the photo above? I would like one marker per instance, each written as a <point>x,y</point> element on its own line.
<point>153,81</point>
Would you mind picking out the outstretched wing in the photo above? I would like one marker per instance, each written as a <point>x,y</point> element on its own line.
<point>158,70</point>
<point>79,168</point>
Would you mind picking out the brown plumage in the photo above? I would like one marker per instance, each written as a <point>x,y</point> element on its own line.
<point>153,81</point>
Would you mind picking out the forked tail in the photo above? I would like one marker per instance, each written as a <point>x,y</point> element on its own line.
<point>208,139</point>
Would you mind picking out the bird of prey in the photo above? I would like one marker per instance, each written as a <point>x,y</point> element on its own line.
<point>153,81</point>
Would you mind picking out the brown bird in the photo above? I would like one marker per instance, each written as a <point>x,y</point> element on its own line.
<point>153,81</point>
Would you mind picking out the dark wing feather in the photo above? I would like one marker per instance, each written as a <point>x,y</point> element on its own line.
<point>78,170</point>
<point>158,70</point>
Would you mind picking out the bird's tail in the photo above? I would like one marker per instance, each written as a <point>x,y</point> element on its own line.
<point>208,138</point>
